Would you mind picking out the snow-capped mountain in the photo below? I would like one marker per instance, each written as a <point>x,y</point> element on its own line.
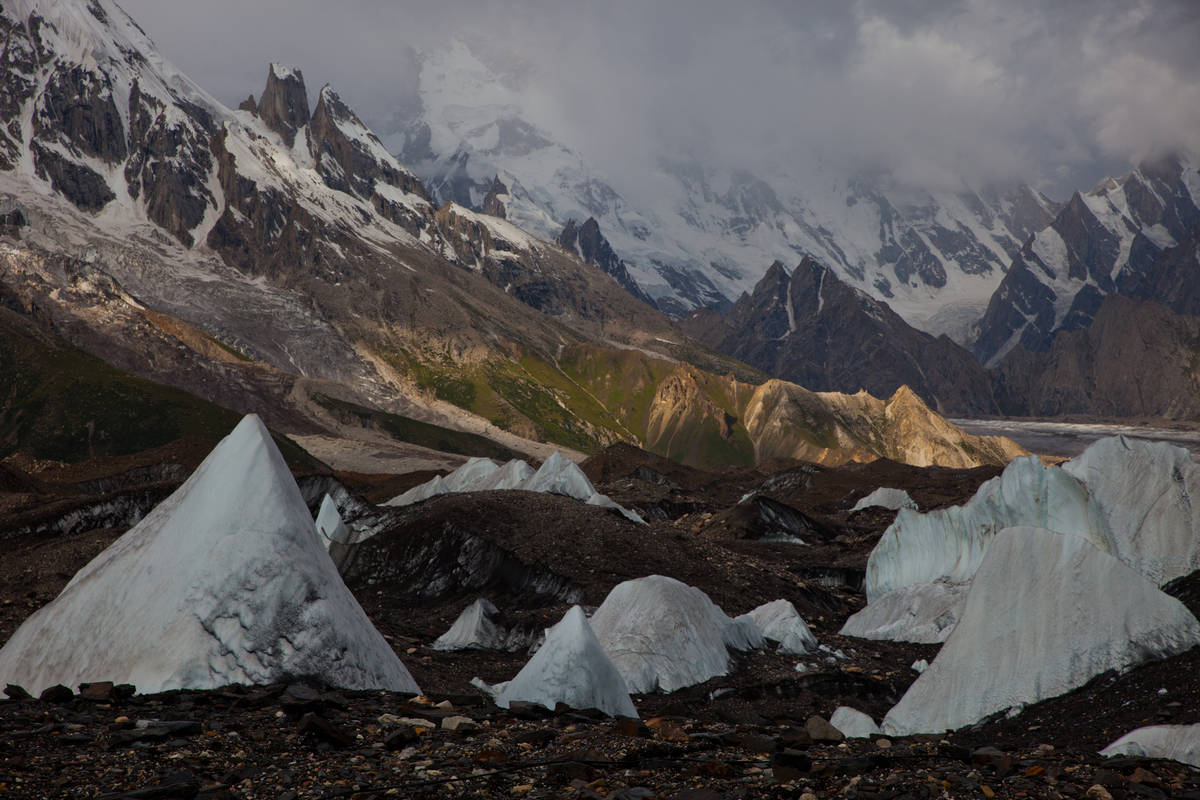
<point>1102,242</point>
<point>703,235</point>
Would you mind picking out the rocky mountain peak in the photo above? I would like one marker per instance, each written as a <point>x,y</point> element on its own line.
<point>587,242</point>
<point>493,205</point>
<point>284,103</point>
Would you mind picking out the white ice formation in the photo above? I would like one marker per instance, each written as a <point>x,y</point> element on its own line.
<point>557,475</point>
<point>883,497</point>
<point>475,629</point>
<point>853,723</point>
<point>924,613</point>
<point>1046,612</point>
<point>949,544</point>
<point>1150,493</point>
<point>572,668</point>
<point>664,635</point>
<point>779,621</point>
<point>330,525</point>
<point>226,581</point>
<point>1176,742</point>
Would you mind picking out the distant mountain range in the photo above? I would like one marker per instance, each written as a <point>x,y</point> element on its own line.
<point>701,236</point>
<point>279,259</point>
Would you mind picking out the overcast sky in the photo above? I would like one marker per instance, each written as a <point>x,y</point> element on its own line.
<point>1056,91</point>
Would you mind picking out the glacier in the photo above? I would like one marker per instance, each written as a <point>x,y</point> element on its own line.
<point>226,581</point>
<point>853,723</point>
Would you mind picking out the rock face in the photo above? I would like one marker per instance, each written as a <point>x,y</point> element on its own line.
<point>283,105</point>
<point>1134,359</point>
<point>663,635</point>
<point>589,244</point>
<point>813,329</point>
<point>571,668</point>
<point>1102,242</point>
<point>1046,613</point>
<point>224,582</point>
<point>493,201</point>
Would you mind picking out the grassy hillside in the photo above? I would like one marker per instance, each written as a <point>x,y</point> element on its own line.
<point>59,403</point>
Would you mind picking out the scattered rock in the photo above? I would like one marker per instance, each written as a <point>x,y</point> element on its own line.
<point>821,731</point>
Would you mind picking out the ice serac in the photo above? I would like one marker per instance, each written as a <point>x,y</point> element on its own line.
<point>329,523</point>
<point>1146,490</point>
<point>471,475</point>
<point>949,544</point>
<point>779,621</point>
<point>664,635</point>
<point>338,537</point>
<point>226,581</point>
<point>557,475</point>
<point>884,497</point>
<point>1176,742</point>
<point>1046,613</point>
<point>570,668</point>
<point>853,723</point>
<point>474,629</point>
<point>925,613</point>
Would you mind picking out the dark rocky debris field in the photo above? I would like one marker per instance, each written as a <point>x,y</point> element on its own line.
<point>758,732</point>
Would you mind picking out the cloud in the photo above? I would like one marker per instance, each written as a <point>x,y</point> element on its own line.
<point>933,94</point>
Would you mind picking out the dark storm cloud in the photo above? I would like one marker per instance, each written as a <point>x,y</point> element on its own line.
<point>932,93</point>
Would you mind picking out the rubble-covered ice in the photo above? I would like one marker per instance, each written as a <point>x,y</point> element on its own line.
<point>779,621</point>
<point>572,668</point>
<point>225,581</point>
<point>884,497</point>
<point>557,475</point>
<point>663,634</point>
<point>949,544</point>
<point>853,723</point>
<point>1150,493</point>
<point>1046,613</point>
<point>1176,742</point>
<point>924,613</point>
